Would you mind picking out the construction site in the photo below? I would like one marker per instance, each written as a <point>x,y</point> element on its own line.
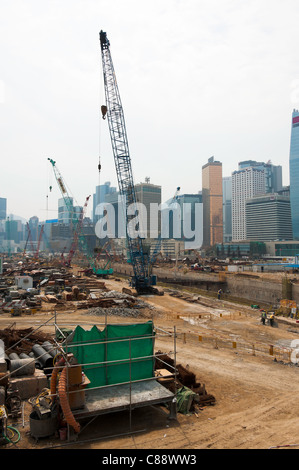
<point>89,363</point>
<point>143,351</point>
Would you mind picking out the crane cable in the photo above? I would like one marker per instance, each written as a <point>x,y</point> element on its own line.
<point>101,100</point>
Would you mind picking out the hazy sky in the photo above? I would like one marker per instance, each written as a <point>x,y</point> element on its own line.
<point>197,78</point>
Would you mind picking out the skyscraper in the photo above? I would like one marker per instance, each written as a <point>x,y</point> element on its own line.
<point>212,200</point>
<point>268,217</point>
<point>118,224</point>
<point>147,194</point>
<point>294,173</point>
<point>65,210</point>
<point>33,225</point>
<point>246,183</point>
<point>272,173</point>
<point>99,197</point>
<point>227,208</point>
<point>2,208</point>
<point>190,229</point>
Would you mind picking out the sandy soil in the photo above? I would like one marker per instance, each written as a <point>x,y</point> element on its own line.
<point>256,396</point>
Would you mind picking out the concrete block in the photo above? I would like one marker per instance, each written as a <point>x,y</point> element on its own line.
<point>30,386</point>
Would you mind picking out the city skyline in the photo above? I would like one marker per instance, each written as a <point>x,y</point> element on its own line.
<point>52,110</point>
<point>100,192</point>
<point>198,220</point>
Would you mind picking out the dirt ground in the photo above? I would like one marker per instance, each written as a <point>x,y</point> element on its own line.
<point>256,405</point>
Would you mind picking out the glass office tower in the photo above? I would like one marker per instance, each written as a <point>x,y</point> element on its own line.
<point>3,208</point>
<point>294,173</point>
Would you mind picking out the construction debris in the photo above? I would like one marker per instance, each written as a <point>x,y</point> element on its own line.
<point>116,311</point>
<point>31,354</point>
<point>21,340</point>
<point>186,385</point>
<point>184,296</point>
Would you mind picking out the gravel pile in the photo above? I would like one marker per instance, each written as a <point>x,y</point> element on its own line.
<point>122,296</point>
<point>122,311</point>
<point>117,311</point>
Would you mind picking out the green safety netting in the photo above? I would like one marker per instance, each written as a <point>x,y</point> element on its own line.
<point>116,354</point>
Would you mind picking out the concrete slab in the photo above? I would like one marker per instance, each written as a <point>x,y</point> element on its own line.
<point>120,397</point>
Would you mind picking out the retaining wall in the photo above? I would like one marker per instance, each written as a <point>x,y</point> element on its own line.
<point>252,289</point>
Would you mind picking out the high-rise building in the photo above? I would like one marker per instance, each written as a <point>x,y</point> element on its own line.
<point>12,230</point>
<point>65,210</point>
<point>212,199</point>
<point>117,226</point>
<point>33,226</point>
<point>99,197</point>
<point>48,232</point>
<point>58,235</point>
<point>246,183</point>
<point>187,211</point>
<point>3,203</point>
<point>294,173</point>
<point>227,208</point>
<point>147,194</point>
<point>272,173</point>
<point>268,217</point>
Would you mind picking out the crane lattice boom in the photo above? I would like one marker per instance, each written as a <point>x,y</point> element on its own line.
<point>116,121</point>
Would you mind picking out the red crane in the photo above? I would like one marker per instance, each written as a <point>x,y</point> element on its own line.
<point>29,237</point>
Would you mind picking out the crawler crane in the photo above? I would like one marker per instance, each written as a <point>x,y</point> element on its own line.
<point>141,280</point>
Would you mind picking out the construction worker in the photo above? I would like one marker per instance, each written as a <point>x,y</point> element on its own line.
<point>219,294</point>
<point>264,317</point>
<point>271,318</point>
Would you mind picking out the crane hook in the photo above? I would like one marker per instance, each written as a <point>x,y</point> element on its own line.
<point>104,111</point>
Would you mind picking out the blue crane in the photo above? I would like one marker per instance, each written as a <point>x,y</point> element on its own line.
<point>63,189</point>
<point>141,280</point>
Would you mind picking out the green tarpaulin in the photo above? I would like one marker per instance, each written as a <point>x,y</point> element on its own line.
<point>117,354</point>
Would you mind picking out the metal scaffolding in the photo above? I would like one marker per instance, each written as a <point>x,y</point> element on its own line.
<point>115,397</point>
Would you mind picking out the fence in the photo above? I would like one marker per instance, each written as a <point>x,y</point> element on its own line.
<point>217,342</point>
